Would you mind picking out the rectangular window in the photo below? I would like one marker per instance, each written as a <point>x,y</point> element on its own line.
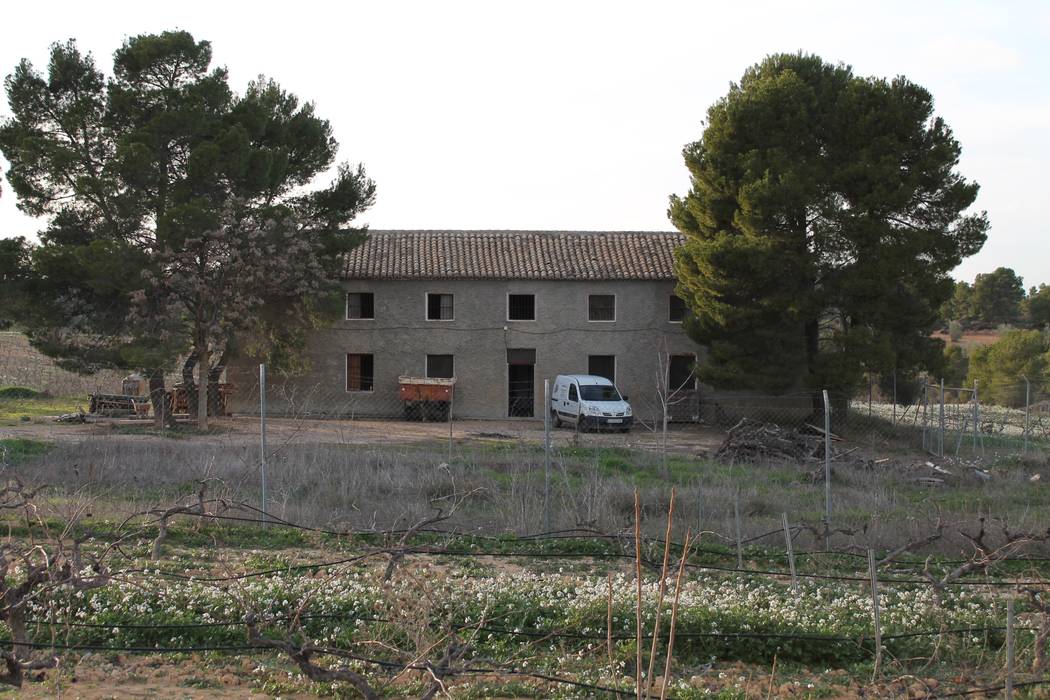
<point>521,307</point>
<point>680,373</point>
<point>360,305</point>
<point>439,307</point>
<point>601,307</point>
<point>676,310</point>
<point>602,366</point>
<point>440,367</point>
<point>359,372</point>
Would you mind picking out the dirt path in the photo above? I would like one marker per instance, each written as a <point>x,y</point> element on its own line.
<point>244,430</point>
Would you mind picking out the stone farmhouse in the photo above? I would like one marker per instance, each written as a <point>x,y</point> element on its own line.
<point>500,311</point>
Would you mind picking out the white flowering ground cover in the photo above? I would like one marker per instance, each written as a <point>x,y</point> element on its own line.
<point>504,613</point>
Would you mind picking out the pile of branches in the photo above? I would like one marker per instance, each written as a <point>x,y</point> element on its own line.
<point>753,441</point>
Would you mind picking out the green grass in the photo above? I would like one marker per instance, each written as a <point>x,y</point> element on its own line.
<point>18,404</point>
<point>17,450</point>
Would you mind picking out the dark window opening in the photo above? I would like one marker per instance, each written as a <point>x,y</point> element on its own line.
<point>439,307</point>
<point>602,366</point>
<point>680,373</point>
<point>359,372</point>
<point>601,307</point>
<point>573,396</point>
<point>600,392</point>
<point>360,305</point>
<point>440,367</point>
<point>521,307</point>
<point>676,311</point>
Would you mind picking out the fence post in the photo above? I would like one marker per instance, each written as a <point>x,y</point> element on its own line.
<point>1009,648</point>
<point>262,438</point>
<point>925,407</point>
<point>976,415</point>
<point>870,387</point>
<point>790,551</point>
<point>451,405</point>
<point>875,611</point>
<point>547,455</point>
<point>940,439</point>
<point>699,507</point>
<point>739,543</point>
<point>1027,402</point>
<point>894,397</point>
<point>827,470</point>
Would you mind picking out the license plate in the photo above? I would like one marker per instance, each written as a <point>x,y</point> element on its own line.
<point>616,420</point>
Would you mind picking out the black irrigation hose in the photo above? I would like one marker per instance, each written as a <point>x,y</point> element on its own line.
<point>538,633</point>
<point>364,659</point>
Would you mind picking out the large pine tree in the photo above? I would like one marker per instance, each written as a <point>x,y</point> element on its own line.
<point>824,216</point>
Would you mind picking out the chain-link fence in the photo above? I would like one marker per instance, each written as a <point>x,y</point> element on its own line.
<point>972,422</point>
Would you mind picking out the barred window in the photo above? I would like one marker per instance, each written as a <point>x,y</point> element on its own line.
<point>439,307</point>
<point>521,307</point>
<point>601,307</point>
<point>359,372</point>
<point>360,305</point>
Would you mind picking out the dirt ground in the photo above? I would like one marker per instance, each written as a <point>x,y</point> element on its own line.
<point>244,430</point>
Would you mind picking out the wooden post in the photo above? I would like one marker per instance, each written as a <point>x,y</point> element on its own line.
<point>875,611</point>
<point>1009,648</point>
<point>638,600</point>
<point>790,551</point>
<point>827,470</point>
<point>660,597</point>
<point>739,543</point>
<point>608,622</point>
<point>674,616</point>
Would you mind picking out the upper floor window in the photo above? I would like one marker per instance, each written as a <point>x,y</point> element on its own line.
<point>439,307</point>
<point>360,305</point>
<point>601,307</point>
<point>676,309</point>
<point>521,307</point>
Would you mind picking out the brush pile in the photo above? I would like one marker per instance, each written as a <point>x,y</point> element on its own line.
<point>753,441</point>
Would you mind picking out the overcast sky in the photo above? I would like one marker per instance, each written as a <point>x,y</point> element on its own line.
<point>572,115</point>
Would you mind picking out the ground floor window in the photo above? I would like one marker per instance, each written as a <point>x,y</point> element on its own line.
<point>359,372</point>
<point>602,366</point>
<point>440,367</point>
<point>680,373</point>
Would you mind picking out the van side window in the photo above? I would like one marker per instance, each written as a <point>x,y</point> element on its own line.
<point>573,396</point>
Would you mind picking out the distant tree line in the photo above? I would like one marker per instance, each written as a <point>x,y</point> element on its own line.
<point>996,298</point>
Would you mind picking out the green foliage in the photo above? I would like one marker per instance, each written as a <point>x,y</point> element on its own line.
<point>180,213</point>
<point>14,263</point>
<point>822,222</point>
<point>955,331</point>
<point>20,392</point>
<point>960,305</point>
<point>997,297</point>
<point>1000,368</point>
<point>1039,306</point>
<point>956,366</point>
<point>16,450</point>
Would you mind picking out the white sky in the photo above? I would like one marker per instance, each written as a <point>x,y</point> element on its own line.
<point>572,115</point>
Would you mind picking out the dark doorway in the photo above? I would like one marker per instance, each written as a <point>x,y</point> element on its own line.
<point>521,393</point>
<point>602,366</point>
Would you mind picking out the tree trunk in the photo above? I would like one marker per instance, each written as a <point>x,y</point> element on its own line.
<point>214,375</point>
<point>159,399</point>
<point>191,385</point>
<point>17,624</point>
<point>203,365</point>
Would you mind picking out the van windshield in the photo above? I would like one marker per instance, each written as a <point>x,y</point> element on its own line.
<point>599,392</point>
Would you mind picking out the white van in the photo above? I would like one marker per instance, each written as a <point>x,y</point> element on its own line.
<point>589,401</point>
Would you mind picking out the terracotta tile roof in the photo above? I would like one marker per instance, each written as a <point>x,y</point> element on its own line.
<point>528,255</point>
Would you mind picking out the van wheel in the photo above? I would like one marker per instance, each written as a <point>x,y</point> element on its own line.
<point>555,419</point>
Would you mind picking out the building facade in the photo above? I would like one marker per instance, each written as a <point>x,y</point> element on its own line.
<point>500,311</point>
